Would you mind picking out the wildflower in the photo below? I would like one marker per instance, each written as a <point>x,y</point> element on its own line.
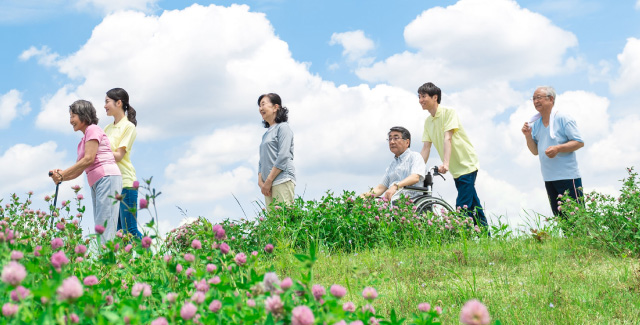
<point>70,289</point>
<point>318,291</point>
<point>215,280</point>
<point>159,320</point>
<point>196,244</point>
<point>188,310</point>
<point>178,268</point>
<point>274,305</point>
<point>240,259</point>
<point>286,283</point>
<point>167,258</point>
<point>251,303</point>
<point>76,188</point>
<point>47,198</point>
<point>16,255</point>
<point>198,297</point>
<point>57,243</point>
<point>9,309</point>
<point>368,307</point>
<point>338,291</point>
<point>80,197</point>
<point>474,313</point>
<point>60,226</point>
<point>254,253</point>
<point>128,248</point>
<point>189,257</point>
<point>302,315</point>
<point>143,203</point>
<point>146,242</point>
<point>19,293</point>
<point>36,251</point>
<point>438,310</point>
<point>190,271</point>
<point>74,318</point>
<point>136,185</point>
<point>211,268</point>
<point>215,306</point>
<point>59,259</point>
<point>90,280</point>
<point>171,297</point>
<point>99,229</point>
<point>349,306</point>
<point>224,248</point>
<point>109,300</point>
<point>369,293</point>
<point>143,288</point>
<point>271,281</point>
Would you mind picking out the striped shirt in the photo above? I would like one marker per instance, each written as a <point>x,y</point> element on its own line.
<point>408,163</point>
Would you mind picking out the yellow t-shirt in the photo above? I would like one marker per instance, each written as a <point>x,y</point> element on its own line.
<point>121,135</point>
<point>463,156</point>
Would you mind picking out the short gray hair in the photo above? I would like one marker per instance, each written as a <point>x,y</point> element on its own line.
<point>85,111</point>
<point>549,91</point>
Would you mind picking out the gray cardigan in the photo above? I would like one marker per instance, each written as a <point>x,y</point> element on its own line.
<point>276,150</point>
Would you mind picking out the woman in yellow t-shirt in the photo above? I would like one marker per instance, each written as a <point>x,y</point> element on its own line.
<point>122,133</point>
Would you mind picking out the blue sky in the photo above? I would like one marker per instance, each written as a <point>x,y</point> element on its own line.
<point>347,70</point>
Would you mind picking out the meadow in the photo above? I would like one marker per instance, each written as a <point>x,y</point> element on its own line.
<point>336,260</point>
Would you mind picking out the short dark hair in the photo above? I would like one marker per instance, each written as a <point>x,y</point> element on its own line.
<point>282,115</point>
<point>405,133</point>
<point>85,111</point>
<point>430,89</point>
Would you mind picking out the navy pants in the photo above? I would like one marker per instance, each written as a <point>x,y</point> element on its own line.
<point>128,221</point>
<point>555,188</point>
<point>467,195</point>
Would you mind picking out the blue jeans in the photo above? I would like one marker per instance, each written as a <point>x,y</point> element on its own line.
<point>467,195</point>
<point>129,221</point>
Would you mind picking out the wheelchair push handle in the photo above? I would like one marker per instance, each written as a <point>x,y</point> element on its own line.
<point>437,173</point>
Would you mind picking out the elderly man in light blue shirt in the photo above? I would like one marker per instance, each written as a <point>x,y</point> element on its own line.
<point>406,169</point>
<point>554,137</point>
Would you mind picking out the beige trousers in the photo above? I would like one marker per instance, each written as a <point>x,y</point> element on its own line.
<point>281,193</point>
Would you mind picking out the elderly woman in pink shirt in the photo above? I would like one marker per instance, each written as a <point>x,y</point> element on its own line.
<point>96,159</point>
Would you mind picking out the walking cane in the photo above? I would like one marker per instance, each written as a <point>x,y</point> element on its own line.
<point>55,200</point>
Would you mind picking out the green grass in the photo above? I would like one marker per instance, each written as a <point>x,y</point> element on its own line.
<point>521,280</point>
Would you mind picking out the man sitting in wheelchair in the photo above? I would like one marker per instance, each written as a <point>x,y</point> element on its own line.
<point>406,169</point>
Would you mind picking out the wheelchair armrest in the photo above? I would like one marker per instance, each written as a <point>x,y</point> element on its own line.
<point>416,188</point>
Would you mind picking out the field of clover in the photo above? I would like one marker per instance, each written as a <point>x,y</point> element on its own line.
<point>203,273</point>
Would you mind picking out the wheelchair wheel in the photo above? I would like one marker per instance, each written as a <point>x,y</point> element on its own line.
<point>435,205</point>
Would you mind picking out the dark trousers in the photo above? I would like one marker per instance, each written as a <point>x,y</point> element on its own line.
<point>555,188</point>
<point>128,221</point>
<point>467,195</point>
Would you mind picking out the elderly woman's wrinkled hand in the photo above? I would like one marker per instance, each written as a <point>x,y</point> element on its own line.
<point>56,176</point>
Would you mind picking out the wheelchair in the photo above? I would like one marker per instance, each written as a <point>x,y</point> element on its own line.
<point>427,202</point>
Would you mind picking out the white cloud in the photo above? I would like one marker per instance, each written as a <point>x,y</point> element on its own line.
<point>629,73</point>
<point>356,45</point>
<point>44,55</point>
<point>28,166</point>
<point>109,6</point>
<point>475,41</point>
<point>638,4</point>
<point>187,71</point>
<point>11,106</point>
<point>215,166</point>
<point>18,11</point>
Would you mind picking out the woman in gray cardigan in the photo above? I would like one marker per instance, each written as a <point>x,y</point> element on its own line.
<point>276,174</point>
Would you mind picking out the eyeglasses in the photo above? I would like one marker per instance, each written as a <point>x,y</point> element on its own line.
<point>534,98</point>
<point>395,139</point>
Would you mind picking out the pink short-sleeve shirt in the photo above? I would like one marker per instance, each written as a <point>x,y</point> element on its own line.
<point>104,164</point>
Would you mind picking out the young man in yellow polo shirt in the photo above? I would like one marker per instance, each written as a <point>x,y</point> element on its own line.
<point>444,130</point>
